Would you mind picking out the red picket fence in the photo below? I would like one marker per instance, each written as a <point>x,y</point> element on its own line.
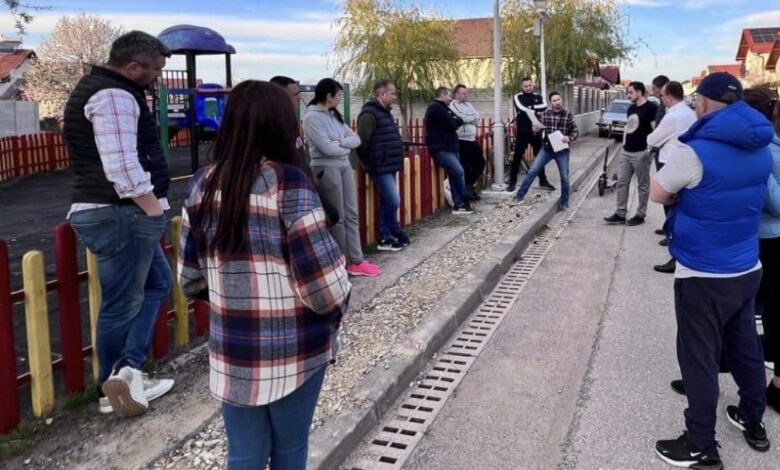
<point>30,154</point>
<point>73,351</point>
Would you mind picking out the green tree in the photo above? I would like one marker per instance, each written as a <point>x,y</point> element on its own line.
<point>378,39</point>
<point>579,35</point>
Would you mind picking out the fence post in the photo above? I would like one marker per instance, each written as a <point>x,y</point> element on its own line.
<point>417,189</point>
<point>201,317</point>
<point>370,212</point>
<point>38,341</point>
<point>9,391</point>
<point>407,190</point>
<point>70,313</point>
<point>181,329</point>
<point>362,198</point>
<point>93,289</point>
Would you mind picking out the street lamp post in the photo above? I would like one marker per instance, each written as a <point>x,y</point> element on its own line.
<point>541,8</point>
<point>498,124</point>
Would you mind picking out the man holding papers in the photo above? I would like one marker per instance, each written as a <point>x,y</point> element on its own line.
<point>558,131</point>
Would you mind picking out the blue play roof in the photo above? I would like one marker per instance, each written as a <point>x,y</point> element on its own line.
<point>198,39</point>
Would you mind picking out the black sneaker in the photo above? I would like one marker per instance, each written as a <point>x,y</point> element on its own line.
<point>659,231</point>
<point>664,242</point>
<point>402,238</point>
<point>678,386</point>
<point>635,220</point>
<point>389,244</point>
<point>667,268</point>
<point>462,211</point>
<point>681,453</point>
<point>546,185</point>
<point>755,434</point>
<point>773,396</point>
<point>510,188</point>
<point>615,219</point>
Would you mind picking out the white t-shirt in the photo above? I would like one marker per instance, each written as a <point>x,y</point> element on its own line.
<point>676,121</point>
<point>684,170</point>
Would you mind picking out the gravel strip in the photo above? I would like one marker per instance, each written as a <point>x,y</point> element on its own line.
<point>369,334</point>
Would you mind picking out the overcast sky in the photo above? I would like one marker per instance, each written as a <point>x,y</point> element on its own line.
<point>293,37</point>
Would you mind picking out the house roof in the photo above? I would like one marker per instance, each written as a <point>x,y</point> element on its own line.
<point>733,69</point>
<point>473,37</point>
<point>758,40</point>
<point>610,73</point>
<point>696,79</point>
<point>11,61</point>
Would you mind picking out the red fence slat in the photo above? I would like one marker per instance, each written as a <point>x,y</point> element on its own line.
<point>70,312</point>
<point>9,393</point>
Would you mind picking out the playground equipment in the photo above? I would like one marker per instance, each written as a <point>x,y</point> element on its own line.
<point>202,105</point>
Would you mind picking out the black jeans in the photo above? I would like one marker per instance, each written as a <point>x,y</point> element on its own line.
<point>522,140</point>
<point>714,316</point>
<point>471,160</point>
<point>768,298</point>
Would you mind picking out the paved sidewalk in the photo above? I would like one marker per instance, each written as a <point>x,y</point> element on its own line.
<point>577,376</point>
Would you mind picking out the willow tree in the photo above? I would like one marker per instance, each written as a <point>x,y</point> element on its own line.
<point>579,35</point>
<point>378,39</point>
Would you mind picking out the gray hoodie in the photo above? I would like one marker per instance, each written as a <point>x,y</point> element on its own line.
<point>470,116</point>
<point>321,129</point>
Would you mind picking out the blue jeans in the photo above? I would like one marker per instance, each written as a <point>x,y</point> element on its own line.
<point>279,430</point>
<point>451,164</point>
<point>545,156</point>
<point>134,280</point>
<point>389,202</point>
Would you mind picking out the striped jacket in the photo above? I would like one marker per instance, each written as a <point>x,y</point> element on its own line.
<point>275,308</point>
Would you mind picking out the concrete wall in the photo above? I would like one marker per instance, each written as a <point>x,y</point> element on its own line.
<point>586,123</point>
<point>18,117</point>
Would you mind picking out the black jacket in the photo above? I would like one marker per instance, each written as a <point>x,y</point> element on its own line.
<point>441,126</point>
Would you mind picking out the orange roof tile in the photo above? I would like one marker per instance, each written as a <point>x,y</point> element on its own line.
<point>758,40</point>
<point>774,55</point>
<point>11,61</point>
<point>473,37</point>
<point>733,69</point>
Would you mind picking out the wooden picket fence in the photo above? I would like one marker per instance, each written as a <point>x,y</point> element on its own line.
<point>30,154</point>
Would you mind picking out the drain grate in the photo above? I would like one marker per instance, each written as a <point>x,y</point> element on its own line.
<point>392,444</point>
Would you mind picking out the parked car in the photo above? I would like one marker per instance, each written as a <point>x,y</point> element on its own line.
<point>613,118</point>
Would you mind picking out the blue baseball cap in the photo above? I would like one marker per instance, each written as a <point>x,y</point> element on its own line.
<point>722,87</point>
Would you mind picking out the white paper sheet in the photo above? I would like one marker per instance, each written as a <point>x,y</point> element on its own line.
<point>556,140</point>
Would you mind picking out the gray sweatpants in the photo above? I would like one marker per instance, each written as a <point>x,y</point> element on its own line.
<point>337,185</point>
<point>630,163</point>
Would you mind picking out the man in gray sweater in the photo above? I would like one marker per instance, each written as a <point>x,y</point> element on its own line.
<point>471,156</point>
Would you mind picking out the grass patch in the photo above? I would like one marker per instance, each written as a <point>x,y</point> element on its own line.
<point>18,440</point>
<point>80,400</point>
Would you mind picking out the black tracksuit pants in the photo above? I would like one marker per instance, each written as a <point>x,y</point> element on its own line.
<point>714,316</point>
<point>472,161</point>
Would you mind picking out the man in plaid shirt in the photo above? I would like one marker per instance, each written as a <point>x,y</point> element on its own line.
<point>554,119</point>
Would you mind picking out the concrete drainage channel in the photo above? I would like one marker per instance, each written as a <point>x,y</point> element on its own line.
<point>393,442</point>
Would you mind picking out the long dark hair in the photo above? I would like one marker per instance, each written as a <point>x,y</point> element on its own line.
<point>325,87</point>
<point>258,124</point>
<point>765,101</point>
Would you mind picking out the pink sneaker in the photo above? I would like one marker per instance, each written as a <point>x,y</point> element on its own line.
<point>364,269</point>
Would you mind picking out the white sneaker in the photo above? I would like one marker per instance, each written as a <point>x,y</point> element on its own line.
<point>153,389</point>
<point>124,391</point>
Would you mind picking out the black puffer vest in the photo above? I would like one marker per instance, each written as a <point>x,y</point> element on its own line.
<point>385,149</point>
<point>91,185</point>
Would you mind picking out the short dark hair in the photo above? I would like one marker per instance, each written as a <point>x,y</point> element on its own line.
<point>660,81</point>
<point>638,86</point>
<point>441,91</point>
<point>554,93</point>
<point>136,46</point>
<point>526,79</point>
<point>282,81</point>
<point>380,85</point>
<point>675,90</point>
<point>458,87</point>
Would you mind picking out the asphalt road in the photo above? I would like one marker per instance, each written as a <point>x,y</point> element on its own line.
<point>578,374</point>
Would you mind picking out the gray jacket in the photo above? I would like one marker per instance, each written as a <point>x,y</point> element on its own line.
<point>321,129</point>
<point>470,116</point>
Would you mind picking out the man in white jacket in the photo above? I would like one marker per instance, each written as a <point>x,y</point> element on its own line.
<point>676,121</point>
<point>471,156</point>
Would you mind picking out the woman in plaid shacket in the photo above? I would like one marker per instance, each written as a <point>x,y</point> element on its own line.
<point>255,242</point>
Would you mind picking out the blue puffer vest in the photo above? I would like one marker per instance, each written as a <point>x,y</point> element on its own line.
<point>385,149</point>
<point>714,226</point>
